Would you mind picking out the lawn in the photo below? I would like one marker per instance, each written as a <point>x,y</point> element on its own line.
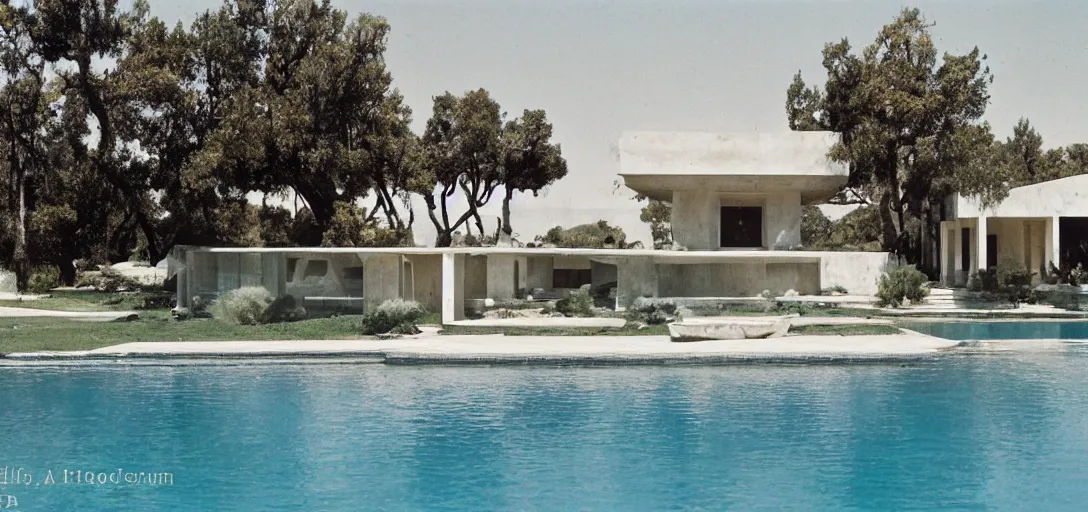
<point>49,334</point>
<point>845,330</point>
<point>85,301</point>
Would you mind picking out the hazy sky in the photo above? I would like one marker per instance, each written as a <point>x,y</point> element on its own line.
<point>602,67</point>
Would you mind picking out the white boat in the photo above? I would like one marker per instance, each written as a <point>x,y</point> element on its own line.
<point>730,328</point>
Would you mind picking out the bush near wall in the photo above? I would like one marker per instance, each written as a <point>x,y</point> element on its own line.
<point>652,311</point>
<point>578,303</point>
<point>395,316</point>
<point>905,283</point>
<point>253,305</point>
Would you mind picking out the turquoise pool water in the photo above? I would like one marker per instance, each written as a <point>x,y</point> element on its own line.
<point>1004,330</point>
<point>972,433</point>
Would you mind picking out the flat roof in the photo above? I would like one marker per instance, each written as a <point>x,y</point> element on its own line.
<point>664,256</point>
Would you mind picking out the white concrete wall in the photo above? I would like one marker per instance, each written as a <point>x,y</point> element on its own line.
<point>427,280</point>
<point>782,220</point>
<point>501,281</point>
<point>637,277</point>
<point>381,278</point>
<point>603,273</point>
<point>7,282</point>
<point>539,273</point>
<point>695,219</point>
<point>802,153</point>
<point>1067,197</point>
<point>475,281</point>
<point>858,272</point>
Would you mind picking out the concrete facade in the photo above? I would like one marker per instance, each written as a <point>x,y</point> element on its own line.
<point>1025,227</point>
<point>715,182</point>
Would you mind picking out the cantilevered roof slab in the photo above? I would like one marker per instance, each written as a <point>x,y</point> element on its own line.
<point>658,163</point>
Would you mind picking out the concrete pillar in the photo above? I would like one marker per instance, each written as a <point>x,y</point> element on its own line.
<point>602,273</point>
<point>381,279</point>
<point>695,219</point>
<point>453,292</point>
<point>1053,245</point>
<point>946,250</point>
<point>980,244</point>
<point>538,273</point>
<point>637,277</point>
<point>501,284</point>
<point>274,273</point>
<point>782,221</point>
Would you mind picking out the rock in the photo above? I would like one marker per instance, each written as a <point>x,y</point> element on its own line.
<point>489,303</point>
<point>791,293</point>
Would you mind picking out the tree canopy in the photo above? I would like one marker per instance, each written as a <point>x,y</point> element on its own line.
<point>123,136</point>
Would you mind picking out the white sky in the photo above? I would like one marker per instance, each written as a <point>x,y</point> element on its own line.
<point>601,67</point>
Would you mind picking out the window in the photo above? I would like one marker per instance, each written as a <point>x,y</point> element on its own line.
<point>316,268</point>
<point>571,278</point>
<point>741,226</point>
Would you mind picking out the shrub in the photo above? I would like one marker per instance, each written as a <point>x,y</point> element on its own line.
<point>243,306</point>
<point>109,281</point>
<point>903,283</point>
<point>43,279</point>
<point>652,311</point>
<point>397,316</point>
<point>578,303</point>
<point>284,309</point>
<point>831,290</point>
<point>1015,280</point>
<point>253,305</point>
<point>604,295</point>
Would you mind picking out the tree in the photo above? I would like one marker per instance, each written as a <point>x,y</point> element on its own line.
<point>23,111</point>
<point>462,152</point>
<point>908,127</point>
<point>530,161</point>
<point>598,235</point>
<point>658,214</point>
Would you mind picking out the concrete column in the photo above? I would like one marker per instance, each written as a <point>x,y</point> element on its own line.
<point>1053,237</point>
<point>695,219</point>
<point>453,291</point>
<point>274,273</point>
<point>782,221</point>
<point>538,273</point>
<point>637,277</point>
<point>980,244</point>
<point>500,277</point>
<point>946,278</point>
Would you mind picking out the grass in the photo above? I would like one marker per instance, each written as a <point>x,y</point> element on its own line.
<point>55,334</point>
<point>83,301</point>
<point>845,330</point>
<point>652,330</point>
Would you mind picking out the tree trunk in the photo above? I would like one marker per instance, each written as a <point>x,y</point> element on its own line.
<point>887,223</point>
<point>445,239</point>
<point>19,258</point>
<point>506,229</point>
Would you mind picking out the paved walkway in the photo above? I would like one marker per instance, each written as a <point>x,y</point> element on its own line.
<point>498,349</point>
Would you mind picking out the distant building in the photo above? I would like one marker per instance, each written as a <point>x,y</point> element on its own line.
<point>1035,226</point>
<point>736,200</point>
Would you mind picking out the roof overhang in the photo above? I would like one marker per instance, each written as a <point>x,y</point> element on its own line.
<point>813,188</point>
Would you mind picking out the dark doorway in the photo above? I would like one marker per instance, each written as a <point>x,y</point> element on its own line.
<point>741,226</point>
<point>965,249</point>
<point>1073,241</point>
<point>991,251</point>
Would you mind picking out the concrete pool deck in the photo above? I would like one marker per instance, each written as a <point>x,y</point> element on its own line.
<point>499,349</point>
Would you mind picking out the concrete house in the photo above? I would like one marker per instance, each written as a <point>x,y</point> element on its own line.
<point>1036,226</point>
<point>736,216</point>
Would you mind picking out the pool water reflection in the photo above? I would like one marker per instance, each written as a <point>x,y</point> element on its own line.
<point>961,433</point>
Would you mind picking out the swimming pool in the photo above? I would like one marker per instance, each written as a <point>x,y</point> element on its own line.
<point>1004,330</point>
<point>961,433</point>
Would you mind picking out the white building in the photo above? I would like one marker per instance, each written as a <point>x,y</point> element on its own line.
<point>1036,226</point>
<point>736,211</point>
